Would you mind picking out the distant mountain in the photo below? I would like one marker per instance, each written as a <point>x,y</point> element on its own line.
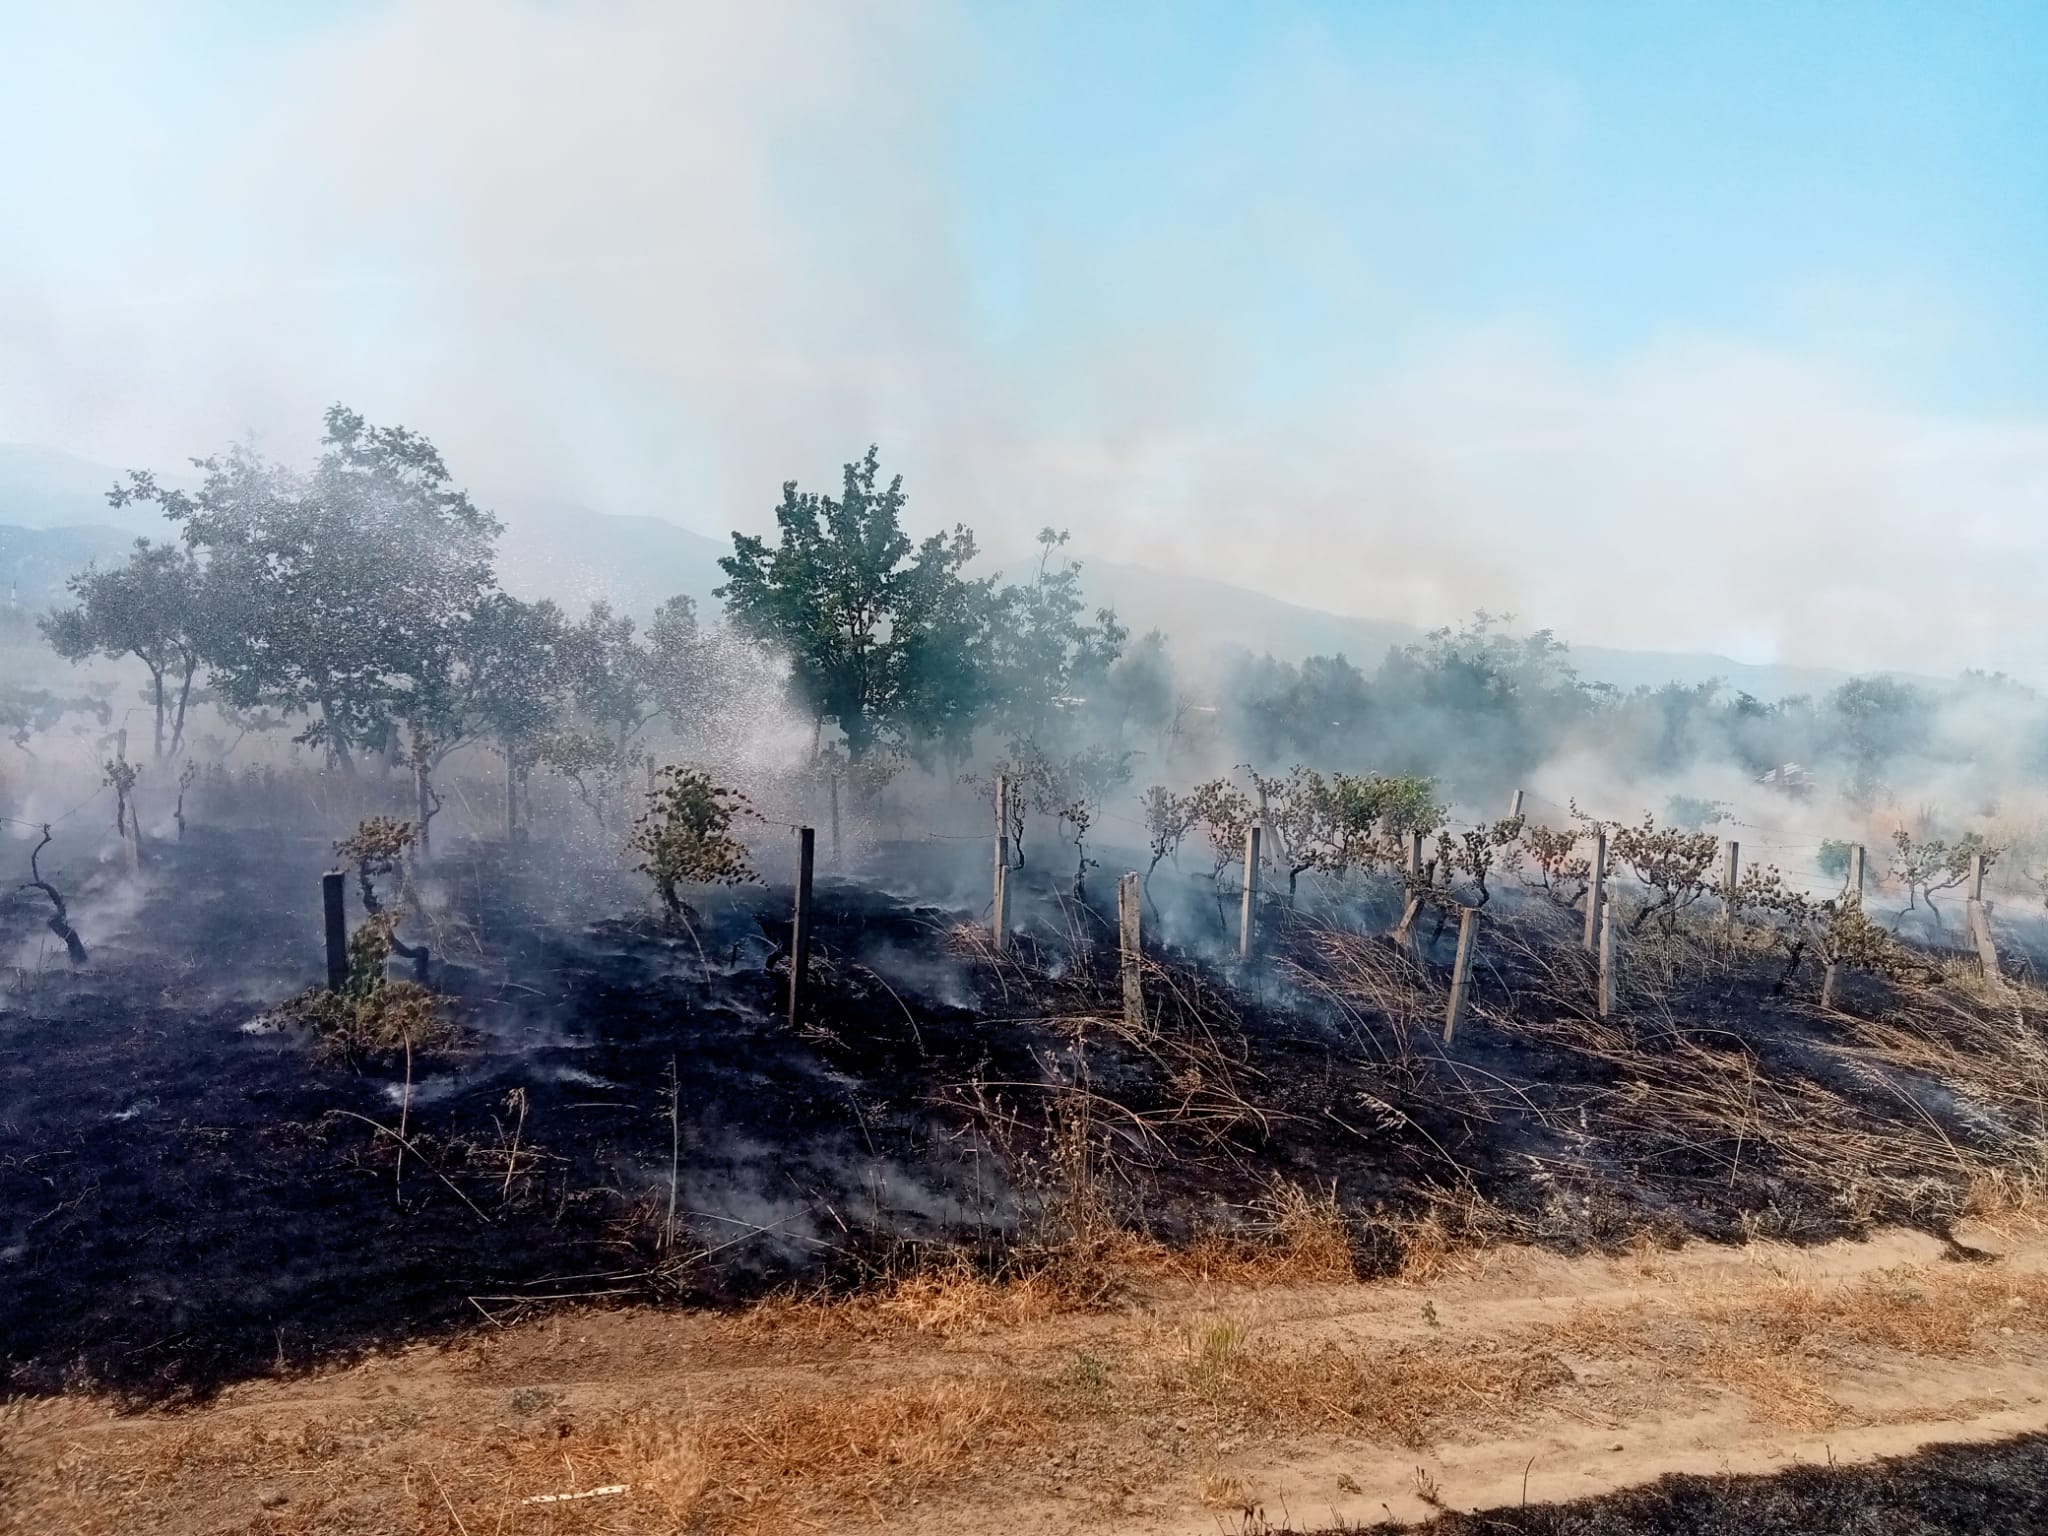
<point>576,555</point>
<point>54,519</point>
<point>42,488</point>
<point>34,562</point>
<point>1203,617</point>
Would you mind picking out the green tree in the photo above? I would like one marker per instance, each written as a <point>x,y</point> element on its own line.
<point>341,591</point>
<point>156,608</point>
<point>1050,661</point>
<point>886,638</point>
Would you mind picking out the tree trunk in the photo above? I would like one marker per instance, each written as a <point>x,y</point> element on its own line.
<point>423,793</point>
<point>184,699</point>
<point>156,675</point>
<point>511,793</point>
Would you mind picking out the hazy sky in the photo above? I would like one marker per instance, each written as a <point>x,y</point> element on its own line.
<point>1692,326</point>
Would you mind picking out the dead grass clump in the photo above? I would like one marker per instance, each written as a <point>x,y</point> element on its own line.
<point>874,1444</point>
<point>1404,1394</point>
<point>1781,1390</point>
<point>950,1298</point>
<point>2008,1200</point>
<point>669,1464</point>
<point>1217,1489</point>
<point>1310,1233</point>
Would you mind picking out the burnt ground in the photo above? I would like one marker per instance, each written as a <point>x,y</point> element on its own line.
<point>1999,1489</point>
<point>188,1196</point>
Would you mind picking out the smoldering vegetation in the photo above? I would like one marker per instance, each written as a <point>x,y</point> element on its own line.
<point>552,1054</point>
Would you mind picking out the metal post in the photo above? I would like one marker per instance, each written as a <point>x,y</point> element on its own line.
<point>1596,889</point>
<point>1461,972</point>
<point>1252,841</point>
<point>333,898</point>
<point>1132,954</point>
<point>800,928</point>
<point>1604,999</point>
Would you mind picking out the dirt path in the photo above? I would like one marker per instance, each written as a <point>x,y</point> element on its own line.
<point>957,1406</point>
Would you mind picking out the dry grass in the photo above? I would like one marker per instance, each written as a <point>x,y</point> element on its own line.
<point>1296,1238</point>
<point>1217,1489</point>
<point>948,1297</point>
<point>780,1445</point>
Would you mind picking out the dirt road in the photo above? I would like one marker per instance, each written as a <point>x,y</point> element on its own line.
<point>950,1404</point>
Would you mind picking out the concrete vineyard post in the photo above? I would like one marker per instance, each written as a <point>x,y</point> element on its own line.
<point>1855,888</point>
<point>1987,947</point>
<point>835,821</point>
<point>999,922</point>
<point>333,898</point>
<point>800,927</point>
<point>1731,872</point>
<point>1976,877</point>
<point>1596,888</point>
<point>1003,819</point>
<point>1461,972</point>
<point>1253,839</point>
<point>1604,998</point>
<point>1132,953</point>
<point>1414,855</point>
<point>1514,805</point>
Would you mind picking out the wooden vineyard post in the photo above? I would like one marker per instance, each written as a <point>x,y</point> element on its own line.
<point>1461,972</point>
<point>1253,839</point>
<point>1604,996</point>
<point>1987,947</point>
<point>333,898</point>
<point>1131,952</point>
<point>1000,920</point>
<point>1827,984</point>
<point>1411,902</point>
<point>1855,888</point>
<point>835,821</point>
<point>800,928</point>
<point>1596,888</point>
<point>1514,805</point>
<point>1976,877</point>
<point>1731,871</point>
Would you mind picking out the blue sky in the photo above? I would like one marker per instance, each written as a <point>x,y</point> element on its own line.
<point>1869,179</point>
<point>1394,309</point>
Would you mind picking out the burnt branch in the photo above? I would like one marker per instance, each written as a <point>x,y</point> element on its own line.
<point>60,923</point>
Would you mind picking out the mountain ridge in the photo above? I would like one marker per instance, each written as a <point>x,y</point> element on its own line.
<point>54,519</point>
